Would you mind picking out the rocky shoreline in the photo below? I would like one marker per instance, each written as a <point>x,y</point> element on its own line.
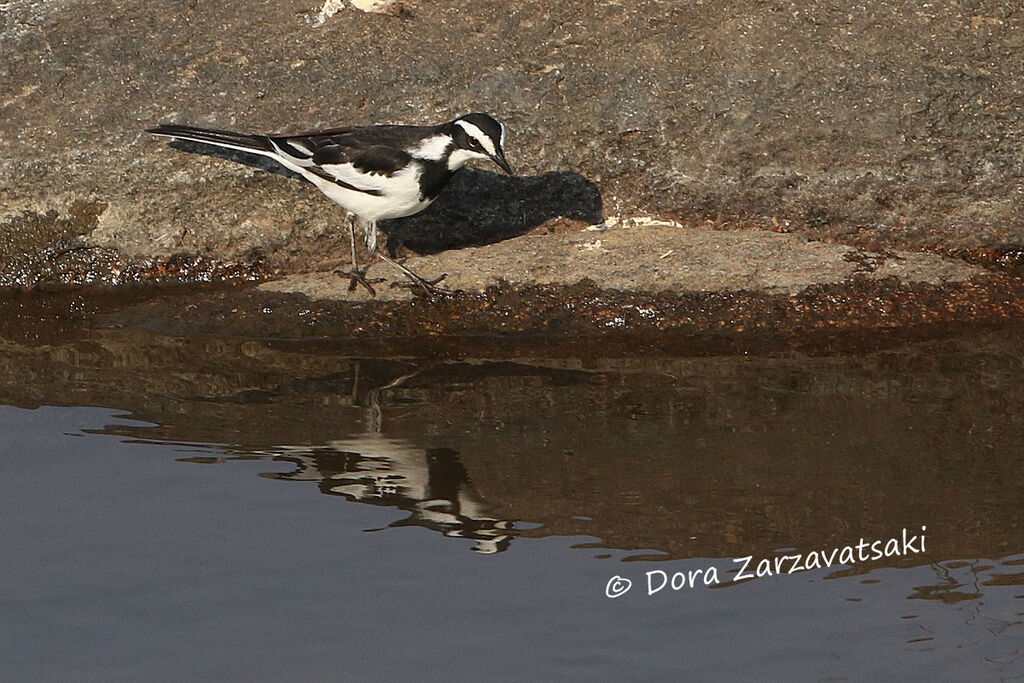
<point>789,158</point>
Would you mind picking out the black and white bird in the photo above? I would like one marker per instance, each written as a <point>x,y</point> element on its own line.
<point>375,172</point>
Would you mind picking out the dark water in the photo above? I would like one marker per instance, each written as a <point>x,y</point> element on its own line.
<point>207,509</point>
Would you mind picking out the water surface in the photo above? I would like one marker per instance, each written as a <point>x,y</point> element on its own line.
<point>204,508</point>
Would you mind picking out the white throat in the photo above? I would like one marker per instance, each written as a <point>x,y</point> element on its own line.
<point>459,157</point>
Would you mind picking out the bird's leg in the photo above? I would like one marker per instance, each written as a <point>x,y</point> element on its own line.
<point>356,276</point>
<point>429,287</point>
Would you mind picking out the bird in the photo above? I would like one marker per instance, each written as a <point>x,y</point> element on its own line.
<point>375,172</point>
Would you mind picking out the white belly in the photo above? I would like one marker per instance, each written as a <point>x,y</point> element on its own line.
<point>401,196</point>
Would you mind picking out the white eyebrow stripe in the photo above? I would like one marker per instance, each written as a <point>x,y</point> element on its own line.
<point>478,135</point>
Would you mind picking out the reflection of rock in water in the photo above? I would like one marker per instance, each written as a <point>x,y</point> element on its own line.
<point>965,580</point>
<point>432,484</point>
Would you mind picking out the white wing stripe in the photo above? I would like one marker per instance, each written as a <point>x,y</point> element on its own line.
<point>350,174</point>
<point>285,156</point>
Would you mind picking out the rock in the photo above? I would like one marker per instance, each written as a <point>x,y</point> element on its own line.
<point>882,127</point>
<point>645,257</point>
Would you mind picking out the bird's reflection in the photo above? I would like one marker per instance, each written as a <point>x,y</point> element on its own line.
<point>431,484</point>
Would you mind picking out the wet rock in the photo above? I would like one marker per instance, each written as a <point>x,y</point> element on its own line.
<point>650,256</point>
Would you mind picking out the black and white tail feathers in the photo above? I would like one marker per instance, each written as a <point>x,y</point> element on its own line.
<point>246,142</point>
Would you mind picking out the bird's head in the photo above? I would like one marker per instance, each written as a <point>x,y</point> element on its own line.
<point>478,136</point>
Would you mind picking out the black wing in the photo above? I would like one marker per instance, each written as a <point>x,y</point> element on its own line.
<point>375,159</point>
<point>351,157</point>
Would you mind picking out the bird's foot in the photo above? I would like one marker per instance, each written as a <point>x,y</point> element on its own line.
<point>421,285</point>
<point>358,277</point>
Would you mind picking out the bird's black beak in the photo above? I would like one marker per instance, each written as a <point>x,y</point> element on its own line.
<point>499,159</point>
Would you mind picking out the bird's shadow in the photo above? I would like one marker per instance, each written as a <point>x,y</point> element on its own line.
<point>481,207</point>
<point>476,208</point>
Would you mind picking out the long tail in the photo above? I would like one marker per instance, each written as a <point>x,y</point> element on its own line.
<point>246,142</point>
